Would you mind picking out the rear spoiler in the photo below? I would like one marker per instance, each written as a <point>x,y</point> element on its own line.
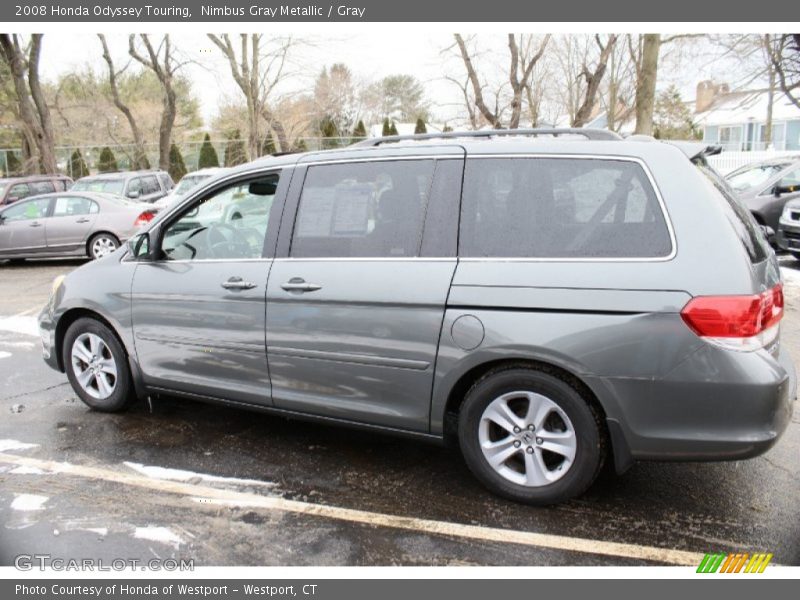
<point>696,151</point>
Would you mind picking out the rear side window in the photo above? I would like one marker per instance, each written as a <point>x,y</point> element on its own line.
<point>372,209</point>
<point>69,206</point>
<point>150,185</point>
<point>42,187</point>
<point>740,218</point>
<point>560,208</point>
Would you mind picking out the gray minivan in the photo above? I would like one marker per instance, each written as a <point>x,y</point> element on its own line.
<point>547,298</point>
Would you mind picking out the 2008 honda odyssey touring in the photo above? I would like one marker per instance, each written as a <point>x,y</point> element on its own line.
<point>550,299</point>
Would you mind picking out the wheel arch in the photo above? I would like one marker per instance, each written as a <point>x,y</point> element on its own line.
<point>455,397</point>
<point>73,314</point>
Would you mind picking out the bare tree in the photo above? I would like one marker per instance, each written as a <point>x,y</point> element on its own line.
<point>645,51</point>
<point>257,70</point>
<point>139,157</point>
<point>592,73</point>
<point>785,56</point>
<point>523,58</point>
<point>620,89</point>
<point>646,77</point>
<point>37,126</point>
<point>162,62</point>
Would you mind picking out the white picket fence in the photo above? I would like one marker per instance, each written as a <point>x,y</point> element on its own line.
<point>728,161</point>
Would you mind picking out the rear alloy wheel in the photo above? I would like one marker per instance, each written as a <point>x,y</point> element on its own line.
<point>96,366</point>
<point>102,245</point>
<point>530,436</point>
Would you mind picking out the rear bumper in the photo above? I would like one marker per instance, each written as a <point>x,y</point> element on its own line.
<point>716,405</point>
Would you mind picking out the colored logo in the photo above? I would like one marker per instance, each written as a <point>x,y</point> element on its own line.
<point>742,562</point>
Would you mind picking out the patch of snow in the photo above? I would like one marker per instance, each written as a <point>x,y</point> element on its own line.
<point>6,445</point>
<point>23,470</point>
<point>163,535</point>
<point>790,276</point>
<point>188,476</point>
<point>26,325</point>
<point>29,502</point>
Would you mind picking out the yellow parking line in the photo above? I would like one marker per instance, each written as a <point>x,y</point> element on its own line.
<point>210,495</point>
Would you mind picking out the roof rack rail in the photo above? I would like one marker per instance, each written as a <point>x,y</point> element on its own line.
<point>591,134</point>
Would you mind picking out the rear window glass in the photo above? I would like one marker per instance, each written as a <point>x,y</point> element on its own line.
<point>749,232</point>
<point>105,185</point>
<point>560,208</point>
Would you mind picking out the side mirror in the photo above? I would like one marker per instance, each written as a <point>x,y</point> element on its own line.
<point>139,246</point>
<point>785,189</point>
<point>133,194</point>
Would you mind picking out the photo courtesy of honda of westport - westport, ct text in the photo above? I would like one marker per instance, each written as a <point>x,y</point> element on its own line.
<point>369,300</point>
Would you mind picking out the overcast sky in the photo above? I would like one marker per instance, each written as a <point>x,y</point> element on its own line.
<point>370,56</point>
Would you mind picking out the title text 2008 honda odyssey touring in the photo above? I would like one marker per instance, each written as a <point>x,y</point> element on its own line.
<point>549,298</point>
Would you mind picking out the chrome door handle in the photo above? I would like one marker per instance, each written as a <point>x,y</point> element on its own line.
<point>83,220</point>
<point>35,224</point>
<point>298,284</point>
<point>237,283</point>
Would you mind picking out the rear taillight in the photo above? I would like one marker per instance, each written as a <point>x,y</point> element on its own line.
<point>143,218</point>
<point>743,323</point>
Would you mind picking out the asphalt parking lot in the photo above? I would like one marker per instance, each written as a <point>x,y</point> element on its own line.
<point>227,487</point>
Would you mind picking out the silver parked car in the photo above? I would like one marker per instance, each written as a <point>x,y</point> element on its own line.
<point>546,298</point>
<point>765,188</point>
<point>69,224</point>
<point>187,183</point>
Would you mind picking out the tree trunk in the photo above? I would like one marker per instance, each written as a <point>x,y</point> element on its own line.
<point>646,83</point>
<point>593,80</point>
<point>165,127</point>
<point>34,113</point>
<point>770,96</point>
<point>165,73</point>
<point>477,89</point>
<point>139,156</point>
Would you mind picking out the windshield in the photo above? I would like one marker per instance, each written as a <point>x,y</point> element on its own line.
<point>746,179</point>
<point>107,186</point>
<point>188,182</point>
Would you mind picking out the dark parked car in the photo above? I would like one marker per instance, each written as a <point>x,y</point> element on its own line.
<point>142,186</point>
<point>17,188</point>
<point>766,186</point>
<point>69,224</point>
<point>549,300</point>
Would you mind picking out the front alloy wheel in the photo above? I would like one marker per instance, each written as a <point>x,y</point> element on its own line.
<point>97,366</point>
<point>94,366</point>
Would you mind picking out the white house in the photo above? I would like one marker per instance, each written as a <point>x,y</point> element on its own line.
<point>737,120</point>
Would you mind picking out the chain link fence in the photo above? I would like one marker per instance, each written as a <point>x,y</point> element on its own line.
<point>12,163</point>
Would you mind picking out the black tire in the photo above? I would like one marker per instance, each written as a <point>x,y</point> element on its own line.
<point>590,436</point>
<point>795,255</point>
<point>123,393</point>
<point>110,240</point>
